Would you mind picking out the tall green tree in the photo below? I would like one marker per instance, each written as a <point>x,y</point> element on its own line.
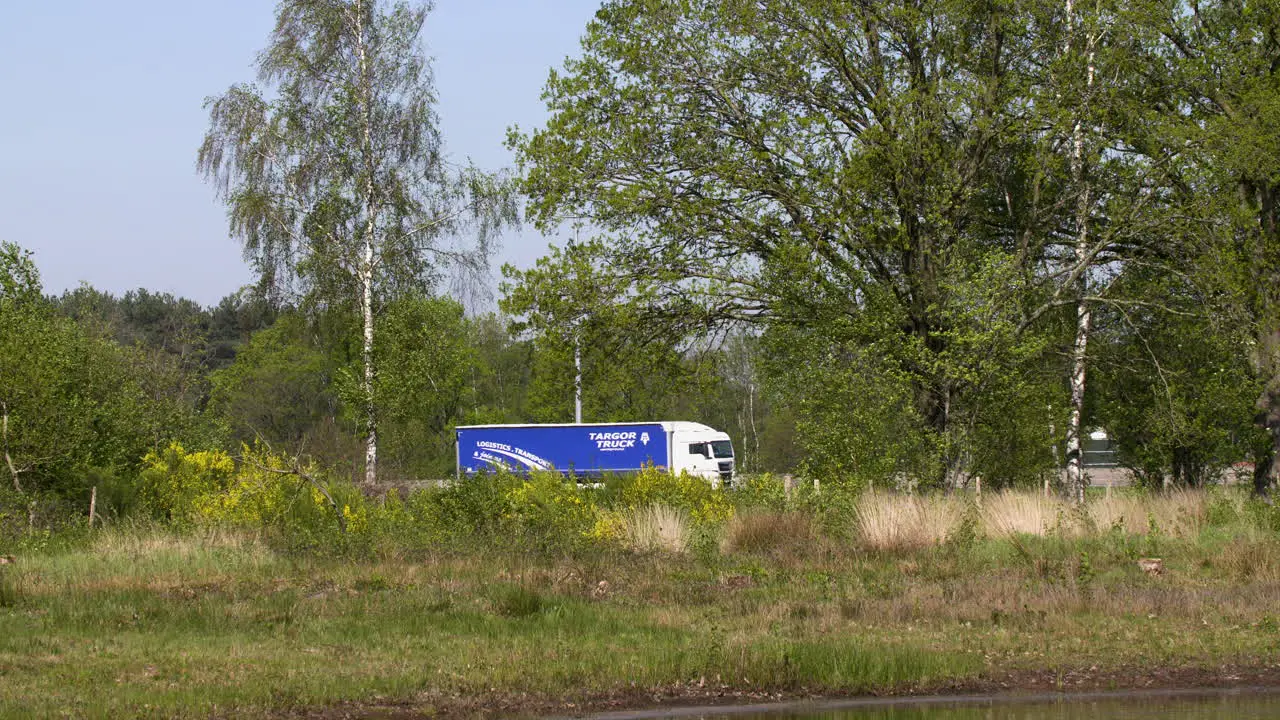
<point>1220,138</point>
<point>69,400</point>
<point>280,388</point>
<point>859,170</point>
<point>428,355</point>
<point>334,172</point>
<point>1174,383</point>
<point>500,378</point>
<point>932,184</point>
<point>592,340</point>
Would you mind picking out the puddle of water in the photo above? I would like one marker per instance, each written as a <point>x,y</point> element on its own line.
<point>1220,708</point>
<point>1249,704</point>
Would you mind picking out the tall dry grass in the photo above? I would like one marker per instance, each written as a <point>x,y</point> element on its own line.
<point>1020,513</point>
<point>1179,514</point>
<point>658,528</point>
<point>148,542</point>
<point>141,554</point>
<point>893,521</point>
<point>768,531</point>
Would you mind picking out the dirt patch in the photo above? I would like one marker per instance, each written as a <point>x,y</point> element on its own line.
<point>1010,685</point>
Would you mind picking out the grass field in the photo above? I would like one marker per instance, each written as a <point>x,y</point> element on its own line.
<point>915,594</point>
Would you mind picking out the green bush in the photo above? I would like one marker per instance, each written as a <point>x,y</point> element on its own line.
<point>833,506</point>
<point>760,491</point>
<point>549,510</point>
<point>1222,509</point>
<point>471,506</point>
<point>707,505</point>
<point>35,521</point>
<point>263,490</point>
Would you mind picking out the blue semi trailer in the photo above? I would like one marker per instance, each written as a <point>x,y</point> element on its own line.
<point>586,451</point>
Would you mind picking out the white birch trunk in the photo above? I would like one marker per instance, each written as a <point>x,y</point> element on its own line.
<point>1079,349</point>
<point>4,433</point>
<point>577,378</point>
<point>366,356</point>
<point>1079,372</point>
<point>367,266</point>
<point>1053,448</point>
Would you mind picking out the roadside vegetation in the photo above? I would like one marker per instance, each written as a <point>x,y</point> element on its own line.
<point>909,254</point>
<point>243,594</point>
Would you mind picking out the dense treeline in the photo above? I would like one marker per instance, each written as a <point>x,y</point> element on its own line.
<point>92,382</point>
<point>880,243</point>
<point>965,232</point>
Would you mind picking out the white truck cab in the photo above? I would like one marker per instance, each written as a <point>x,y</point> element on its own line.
<point>701,451</point>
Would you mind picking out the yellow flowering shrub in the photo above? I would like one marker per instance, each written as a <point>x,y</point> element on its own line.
<point>174,482</point>
<point>258,493</point>
<point>209,488</point>
<point>547,506</point>
<point>610,526</point>
<point>651,486</point>
<point>357,520</point>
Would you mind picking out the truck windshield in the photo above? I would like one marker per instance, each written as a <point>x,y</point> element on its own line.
<point>722,448</point>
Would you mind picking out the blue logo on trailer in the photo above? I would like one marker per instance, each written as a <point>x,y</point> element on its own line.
<point>580,449</point>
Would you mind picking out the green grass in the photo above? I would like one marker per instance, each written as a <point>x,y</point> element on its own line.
<point>143,622</point>
<point>190,633</point>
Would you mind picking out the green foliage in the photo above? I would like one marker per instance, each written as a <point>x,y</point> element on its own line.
<point>573,303</point>
<point>548,510</point>
<point>19,279</point>
<point>855,418</point>
<point>427,357</point>
<point>763,490</point>
<point>473,506</point>
<point>1175,390</point>
<point>707,505</point>
<point>278,389</point>
<point>745,174</point>
<point>335,175</point>
<point>259,490</point>
<point>500,379</point>
<point>31,521</point>
<point>69,400</point>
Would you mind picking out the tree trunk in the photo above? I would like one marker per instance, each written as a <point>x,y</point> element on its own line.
<point>577,377</point>
<point>1053,448</point>
<point>4,434</point>
<point>367,267</point>
<point>1265,308</point>
<point>1265,465</point>
<point>934,409</point>
<point>1079,350</point>
<point>366,355</point>
<point>751,416</point>
<point>1079,368</point>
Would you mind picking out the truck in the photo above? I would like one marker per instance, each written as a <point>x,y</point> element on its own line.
<point>588,451</point>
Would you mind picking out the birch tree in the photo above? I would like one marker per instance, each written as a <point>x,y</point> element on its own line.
<point>334,173</point>
<point>1082,40</point>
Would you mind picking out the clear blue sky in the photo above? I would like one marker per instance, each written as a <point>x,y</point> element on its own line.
<point>101,118</point>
